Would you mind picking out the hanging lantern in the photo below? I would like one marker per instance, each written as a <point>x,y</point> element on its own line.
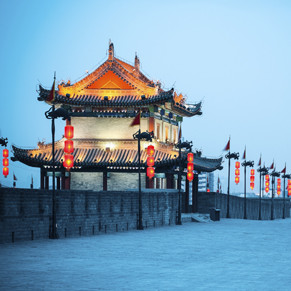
<point>252,178</point>
<point>252,185</point>
<point>252,172</point>
<point>237,165</point>
<point>5,153</point>
<point>267,183</point>
<point>68,161</point>
<point>236,179</point>
<point>69,147</point>
<point>267,189</point>
<point>69,131</point>
<point>190,167</point>
<point>190,157</point>
<point>150,161</point>
<point>208,190</point>
<point>5,172</point>
<point>237,172</point>
<point>5,162</point>
<point>267,178</point>
<point>150,172</point>
<point>289,187</point>
<point>190,176</point>
<point>278,186</point>
<point>150,150</point>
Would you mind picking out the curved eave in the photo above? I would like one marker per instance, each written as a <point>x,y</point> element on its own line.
<point>117,159</point>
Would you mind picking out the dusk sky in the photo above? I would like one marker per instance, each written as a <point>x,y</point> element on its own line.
<point>234,56</point>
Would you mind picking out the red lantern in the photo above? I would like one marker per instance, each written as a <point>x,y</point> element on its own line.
<point>236,179</point>
<point>252,185</point>
<point>237,172</point>
<point>278,181</point>
<point>267,183</point>
<point>5,162</point>
<point>150,150</point>
<point>267,189</point>
<point>190,167</point>
<point>69,146</point>
<point>5,172</point>
<point>252,172</point>
<point>267,178</point>
<point>5,153</point>
<point>252,178</point>
<point>208,190</point>
<point>68,161</point>
<point>190,176</point>
<point>237,165</point>
<point>150,172</point>
<point>69,131</point>
<point>150,161</point>
<point>190,157</point>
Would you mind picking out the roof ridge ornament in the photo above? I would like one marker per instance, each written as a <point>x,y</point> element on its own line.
<point>136,62</point>
<point>111,51</point>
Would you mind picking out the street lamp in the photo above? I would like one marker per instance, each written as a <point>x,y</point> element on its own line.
<point>187,145</point>
<point>229,156</point>
<point>54,114</point>
<point>285,176</point>
<point>147,136</point>
<point>263,172</point>
<point>246,164</point>
<point>273,174</point>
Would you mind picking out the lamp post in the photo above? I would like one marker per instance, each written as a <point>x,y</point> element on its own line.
<point>147,136</point>
<point>263,172</point>
<point>246,164</point>
<point>229,156</point>
<point>273,174</point>
<point>285,176</point>
<point>180,145</point>
<point>54,114</point>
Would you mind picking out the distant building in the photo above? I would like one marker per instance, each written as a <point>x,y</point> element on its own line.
<point>202,182</point>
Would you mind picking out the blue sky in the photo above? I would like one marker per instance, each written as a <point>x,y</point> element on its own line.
<point>232,55</point>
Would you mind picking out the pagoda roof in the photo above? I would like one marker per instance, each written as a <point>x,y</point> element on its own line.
<point>97,159</point>
<point>116,83</point>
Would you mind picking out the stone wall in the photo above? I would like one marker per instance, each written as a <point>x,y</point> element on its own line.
<point>25,214</point>
<point>236,206</point>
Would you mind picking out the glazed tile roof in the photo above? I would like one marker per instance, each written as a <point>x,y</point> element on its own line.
<point>123,101</point>
<point>96,158</point>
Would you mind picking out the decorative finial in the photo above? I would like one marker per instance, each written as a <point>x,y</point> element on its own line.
<point>111,51</point>
<point>136,62</point>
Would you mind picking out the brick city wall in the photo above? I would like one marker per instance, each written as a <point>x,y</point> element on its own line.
<point>236,206</point>
<point>25,214</point>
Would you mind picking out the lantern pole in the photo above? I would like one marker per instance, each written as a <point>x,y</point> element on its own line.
<point>246,164</point>
<point>229,156</point>
<point>179,220</point>
<point>273,174</point>
<point>140,226</point>
<point>284,193</point>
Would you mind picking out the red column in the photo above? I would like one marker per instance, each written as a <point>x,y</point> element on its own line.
<point>152,124</point>
<point>67,182</point>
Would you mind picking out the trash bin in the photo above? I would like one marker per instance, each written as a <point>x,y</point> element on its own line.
<point>214,214</point>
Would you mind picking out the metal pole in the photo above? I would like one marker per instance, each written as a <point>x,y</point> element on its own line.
<point>140,226</point>
<point>284,198</point>
<point>272,199</point>
<point>260,197</point>
<point>245,194</point>
<point>54,219</point>
<point>227,210</point>
<point>179,221</point>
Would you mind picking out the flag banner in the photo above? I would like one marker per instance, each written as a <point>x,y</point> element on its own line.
<point>272,166</point>
<point>244,155</point>
<point>136,120</point>
<point>14,177</point>
<point>227,147</point>
<point>284,170</point>
<point>260,162</point>
<point>51,97</point>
